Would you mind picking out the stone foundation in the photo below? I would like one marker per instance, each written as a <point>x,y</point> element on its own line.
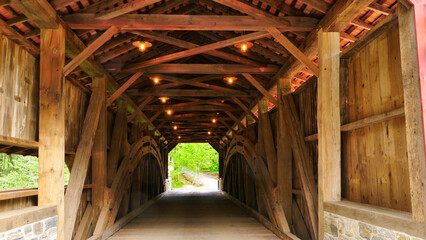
<point>339,227</point>
<point>41,230</point>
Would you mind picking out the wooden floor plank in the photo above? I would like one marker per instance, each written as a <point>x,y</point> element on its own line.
<point>187,214</point>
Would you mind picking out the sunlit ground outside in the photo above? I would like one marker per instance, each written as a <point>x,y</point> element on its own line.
<point>194,166</point>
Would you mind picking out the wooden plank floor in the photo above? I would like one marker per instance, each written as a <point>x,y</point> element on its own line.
<point>188,214</point>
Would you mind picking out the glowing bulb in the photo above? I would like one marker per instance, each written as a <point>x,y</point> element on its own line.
<point>142,47</point>
<point>244,47</point>
<point>209,133</point>
<point>175,127</point>
<point>169,112</point>
<point>230,80</point>
<point>164,99</point>
<point>179,137</point>
<point>214,120</point>
<point>156,80</point>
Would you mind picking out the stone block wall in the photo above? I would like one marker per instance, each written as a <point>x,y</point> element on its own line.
<point>338,227</point>
<point>41,230</point>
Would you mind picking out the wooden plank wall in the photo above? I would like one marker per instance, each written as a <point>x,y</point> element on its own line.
<point>18,91</point>
<point>374,162</point>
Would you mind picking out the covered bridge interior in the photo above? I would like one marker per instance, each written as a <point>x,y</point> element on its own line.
<point>314,106</point>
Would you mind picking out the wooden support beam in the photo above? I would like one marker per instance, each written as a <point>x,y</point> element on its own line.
<point>414,102</point>
<point>268,140</point>
<point>39,12</point>
<point>123,88</point>
<point>192,93</point>
<point>162,8</point>
<point>284,153</point>
<point>240,125</point>
<point>329,157</point>
<point>337,18</point>
<point>261,89</point>
<point>241,104</point>
<point>293,49</point>
<point>252,11</point>
<point>85,223</point>
<point>52,123</point>
<point>220,69</point>
<point>140,107</point>
<point>301,156</point>
<point>81,162</point>
<point>151,120</point>
<point>189,45</point>
<point>131,6</point>
<point>190,108</point>
<point>99,151</point>
<point>13,35</point>
<point>117,138</point>
<point>195,51</point>
<point>227,126</point>
<point>89,50</point>
<point>187,22</point>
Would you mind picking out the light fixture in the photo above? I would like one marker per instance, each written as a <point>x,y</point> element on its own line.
<point>214,120</point>
<point>169,112</point>
<point>230,80</point>
<point>156,80</point>
<point>179,137</point>
<point>142,46</point>
<point>175,127</point>
<point>164,99</point>
<point>209,132</point>
<point>244,46</point>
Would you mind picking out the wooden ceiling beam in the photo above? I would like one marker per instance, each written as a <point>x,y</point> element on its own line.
<point>258,13</point>
<point>123,88</point>
<point>193,93</point>
<point>246,109</point>
<point>186,22</point>
<point>140,107</point>
<point>202,108</point>
<point>89,50</point>
<point>189,45</point>
<point>232,116</point>
<point>13,35</point>
<point>208,69</point>
<point>196,84</point>
<point>261,89</point>
<point>195,51</point>
<point>293,50</point>
<point>131,6</point>
<point>337,18</point>
<point>40,12</point>
<point>98,6</point>
<point>167,6</point>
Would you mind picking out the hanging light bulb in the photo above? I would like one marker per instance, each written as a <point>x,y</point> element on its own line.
<point>179,137</point>
<point>209,132</point>
<point>142,46</point>
<point>214,120</point>
<point>164,99</point>
<point>244,46</point>
<point>156,80</point>
<point>230,80</point>
<point>169,112</point>
<point>175,127</point>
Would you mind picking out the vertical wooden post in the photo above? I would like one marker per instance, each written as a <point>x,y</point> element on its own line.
<point>414,84</point>
<point>284,152</point>
<point>52,122</point>
<point>99,151</point>
<point>329,162</point>
<point>268,139</point>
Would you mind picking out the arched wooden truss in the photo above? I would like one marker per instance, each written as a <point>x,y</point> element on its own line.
<point>244,147</point>
<point>122,181</point>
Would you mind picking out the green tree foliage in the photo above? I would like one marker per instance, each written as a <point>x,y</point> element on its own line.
<point>193,157</point>
<point>21,172</point>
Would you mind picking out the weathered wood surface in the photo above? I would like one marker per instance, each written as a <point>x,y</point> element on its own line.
<point>201,215</point>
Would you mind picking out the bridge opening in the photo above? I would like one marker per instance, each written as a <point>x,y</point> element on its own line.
<point>194,166</point>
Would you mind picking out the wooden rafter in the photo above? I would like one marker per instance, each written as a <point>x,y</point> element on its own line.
<point>261,89</point>
<point>89,50</point>
<point>195,51</point>
<point>246,109</point>
<point>123,88</point>
<point>207,69</point>
<point>131,6</point>
<point>192,93</point>
<point>39,11</point>
<point>185,22</point>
